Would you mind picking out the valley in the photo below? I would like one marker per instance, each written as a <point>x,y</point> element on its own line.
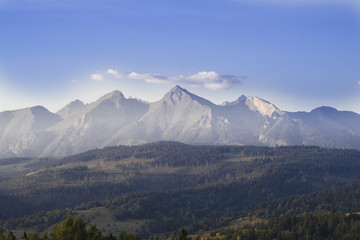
<point>157,188</point>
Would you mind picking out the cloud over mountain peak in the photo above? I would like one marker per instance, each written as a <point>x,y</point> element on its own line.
<point>210,80</point>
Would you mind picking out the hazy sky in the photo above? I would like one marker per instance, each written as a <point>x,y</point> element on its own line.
<point>297,54</point>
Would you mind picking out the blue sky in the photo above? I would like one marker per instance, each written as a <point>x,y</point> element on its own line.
<point>299,55</point>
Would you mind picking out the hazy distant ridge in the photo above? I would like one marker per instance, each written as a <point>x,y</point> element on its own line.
<point>178,116</point>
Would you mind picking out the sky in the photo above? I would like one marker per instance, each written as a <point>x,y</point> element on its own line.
<point>296,54</point>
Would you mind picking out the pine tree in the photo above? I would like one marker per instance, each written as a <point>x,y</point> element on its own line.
<point>94,233</point>
<point>183,234</point>
<point>79,229</point>
<point>10,236</point>
<point>66,231</point>
<point>24,237</point>
<point>2,237</point>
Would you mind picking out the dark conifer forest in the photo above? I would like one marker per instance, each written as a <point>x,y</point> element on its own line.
<point>173,190</point>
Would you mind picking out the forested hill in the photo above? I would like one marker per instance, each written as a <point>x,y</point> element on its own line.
<point>158,188</point>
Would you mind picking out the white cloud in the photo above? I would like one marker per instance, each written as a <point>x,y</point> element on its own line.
<point>224,84</point>
<point>97,77</point>
<point>149,77</point>
<point>115,73</point>
<point>204,77</point>
<point>358,82</point>
<point>210,80</point>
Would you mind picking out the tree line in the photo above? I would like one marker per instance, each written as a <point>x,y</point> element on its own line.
<point>70,229</point>
<point>311,226</point>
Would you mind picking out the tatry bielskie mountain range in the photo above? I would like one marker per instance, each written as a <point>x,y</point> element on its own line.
<point>179,116</point>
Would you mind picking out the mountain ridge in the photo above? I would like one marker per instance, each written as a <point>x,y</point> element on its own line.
<point>179,116</point>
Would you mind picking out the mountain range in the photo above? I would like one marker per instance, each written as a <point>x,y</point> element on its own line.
<point>179,116</point>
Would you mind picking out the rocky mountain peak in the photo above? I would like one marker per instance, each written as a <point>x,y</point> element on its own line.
<point>178,94</point>
<point>263,107</point>
<point>114,95</point>
<point>71,109</point>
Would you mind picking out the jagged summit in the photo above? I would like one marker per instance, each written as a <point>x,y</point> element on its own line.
<point>241,99</point>
<point>38,109</point>
<point>177,94</point>
<point>116,94</point>
<point>255,104</point>
<point>71,109</point>
<point>263,107</point>
<point>178,88</point>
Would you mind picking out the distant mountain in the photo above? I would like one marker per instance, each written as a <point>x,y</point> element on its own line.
<point>23,132</point>
<point>71,109</point>
<point>179,116</point>
<point>94,125</point>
